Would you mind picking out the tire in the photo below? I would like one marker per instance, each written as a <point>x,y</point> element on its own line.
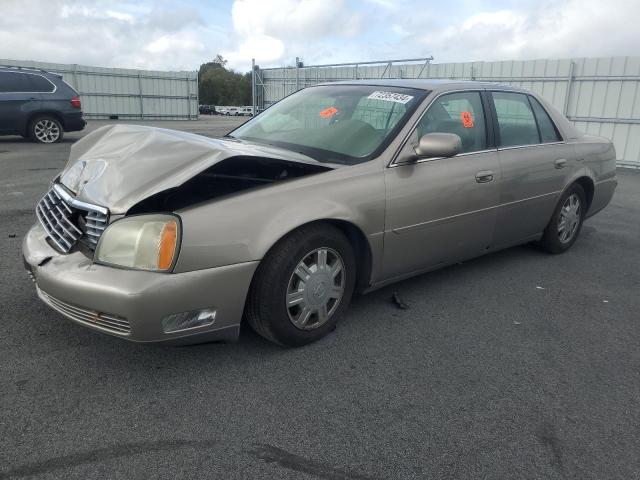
<point>558,237</point>
<point>46,129</point>
<point>279,279</point>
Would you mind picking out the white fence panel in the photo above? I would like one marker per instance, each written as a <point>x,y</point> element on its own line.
<point>125,93</point>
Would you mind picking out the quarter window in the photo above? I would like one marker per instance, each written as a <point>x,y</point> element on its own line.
<point>459,113</point>
<point>12,82</point>
<point>40,84</point>
<point>516,122</point>
<point>548,130</point>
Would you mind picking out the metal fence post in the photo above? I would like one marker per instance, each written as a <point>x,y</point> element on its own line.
<point>140,95</point>
<point>569,85</point>
<point>297,74</point>
<point>254,102</point>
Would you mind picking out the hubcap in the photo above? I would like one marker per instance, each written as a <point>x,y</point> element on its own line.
<point>47,131</point>
<point>569,219</point>
<point>315,288</point>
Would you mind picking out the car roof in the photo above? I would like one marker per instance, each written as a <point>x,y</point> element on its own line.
<point>440,85</point>
<point>37,71</point>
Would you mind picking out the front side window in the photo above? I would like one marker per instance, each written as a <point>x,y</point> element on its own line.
<point>460,113</point>
<point>516,122</point>
<point>13,82</point>
<point>334,123</point>
<point>548,130</point>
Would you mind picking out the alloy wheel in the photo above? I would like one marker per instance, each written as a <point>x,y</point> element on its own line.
<point>47,131</point>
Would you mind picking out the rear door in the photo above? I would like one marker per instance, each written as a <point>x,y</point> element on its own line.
<point>441,210</point>
<point>534,161</point>
<point>17,100</point>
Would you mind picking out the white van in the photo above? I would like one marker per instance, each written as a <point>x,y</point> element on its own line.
<point>246,111</point>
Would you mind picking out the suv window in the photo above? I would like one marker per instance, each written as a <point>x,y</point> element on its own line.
<point>548,130</point>
<point>40,84</point>
<point>516,122</point>
<point>12,82</point>
<point>459,113</point>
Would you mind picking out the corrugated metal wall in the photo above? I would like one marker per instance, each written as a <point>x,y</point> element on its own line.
<point>599,95</point>
<point>138,94</point>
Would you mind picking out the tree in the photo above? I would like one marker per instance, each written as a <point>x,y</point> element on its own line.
<point>218,85</point>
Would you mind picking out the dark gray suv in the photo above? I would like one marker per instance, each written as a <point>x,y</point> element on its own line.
<point>38,105</point>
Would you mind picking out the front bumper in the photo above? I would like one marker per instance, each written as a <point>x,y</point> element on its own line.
<point>131,304</point>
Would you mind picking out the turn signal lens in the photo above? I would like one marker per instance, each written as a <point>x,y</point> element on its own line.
<point>168,240</point>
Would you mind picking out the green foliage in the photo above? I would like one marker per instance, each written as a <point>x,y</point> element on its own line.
<point>219,86</point>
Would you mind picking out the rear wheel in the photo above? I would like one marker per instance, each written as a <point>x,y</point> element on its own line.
<point>566,222</point>
<point>303,286</point>
<point>46,129</point>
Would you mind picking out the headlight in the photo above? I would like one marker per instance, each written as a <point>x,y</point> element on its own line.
<point>142,242</point>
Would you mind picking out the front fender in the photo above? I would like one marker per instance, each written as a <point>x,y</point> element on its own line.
<point>243,227</point>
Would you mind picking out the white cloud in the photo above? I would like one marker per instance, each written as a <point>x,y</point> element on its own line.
<point>106,33</point>
<point>537,30</point>
<point>180,35</point>
<point>277,30</point>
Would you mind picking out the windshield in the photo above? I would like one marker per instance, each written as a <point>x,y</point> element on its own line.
<point>334,123</point>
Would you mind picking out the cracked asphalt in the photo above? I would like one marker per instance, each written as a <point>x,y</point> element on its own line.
<point>514,365</point>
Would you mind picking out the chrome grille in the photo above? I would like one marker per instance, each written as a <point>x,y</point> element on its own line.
<point>96,223</point>
<point>109,322</point>
<point>59,212</point>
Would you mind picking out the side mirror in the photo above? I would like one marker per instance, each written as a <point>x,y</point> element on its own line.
<point>433,145</point>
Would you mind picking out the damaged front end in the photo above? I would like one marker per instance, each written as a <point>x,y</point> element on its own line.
<point>230,176</point>
<point>127,170</point>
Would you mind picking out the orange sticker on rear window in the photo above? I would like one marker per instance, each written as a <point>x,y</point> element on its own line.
<point>328,112</point>
<point>467,119</point>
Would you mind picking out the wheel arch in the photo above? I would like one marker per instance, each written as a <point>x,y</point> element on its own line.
<point>358,240</point>
<point>588,186</point>
<point>41,113</point>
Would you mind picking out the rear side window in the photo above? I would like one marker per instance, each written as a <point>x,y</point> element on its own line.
<point>516,122</point>
<point>40,84</point>
<point>13,82</point>
<point>459,113</point>
<point>548,130</point>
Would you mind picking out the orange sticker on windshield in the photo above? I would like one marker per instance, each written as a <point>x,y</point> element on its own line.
<point>328,112</point>
<point>467,119</point>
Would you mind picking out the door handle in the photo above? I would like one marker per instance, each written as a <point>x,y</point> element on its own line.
<point>560,163</point>
<point>485,176</point>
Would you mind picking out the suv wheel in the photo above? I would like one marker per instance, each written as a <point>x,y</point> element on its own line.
<point>303,286</point>
<point>46,129</point>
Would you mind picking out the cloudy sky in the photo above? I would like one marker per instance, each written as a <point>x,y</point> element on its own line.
<point>171,35</point>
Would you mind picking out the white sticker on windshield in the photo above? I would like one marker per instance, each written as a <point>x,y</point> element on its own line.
<point>390,97</point>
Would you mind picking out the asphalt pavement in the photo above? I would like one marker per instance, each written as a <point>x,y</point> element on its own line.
<point>515,365</point>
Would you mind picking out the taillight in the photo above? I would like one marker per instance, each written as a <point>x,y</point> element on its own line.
<point>75,102</point>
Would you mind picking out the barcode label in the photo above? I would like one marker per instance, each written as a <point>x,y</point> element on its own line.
<point>390,97</point>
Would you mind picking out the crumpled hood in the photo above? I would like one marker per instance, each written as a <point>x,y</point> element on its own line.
<point>117,166</point>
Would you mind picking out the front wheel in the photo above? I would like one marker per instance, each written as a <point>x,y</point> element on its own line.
<point>303,286</point>
<point>566,222</point>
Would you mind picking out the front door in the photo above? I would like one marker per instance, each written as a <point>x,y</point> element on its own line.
<point>441,210</point>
